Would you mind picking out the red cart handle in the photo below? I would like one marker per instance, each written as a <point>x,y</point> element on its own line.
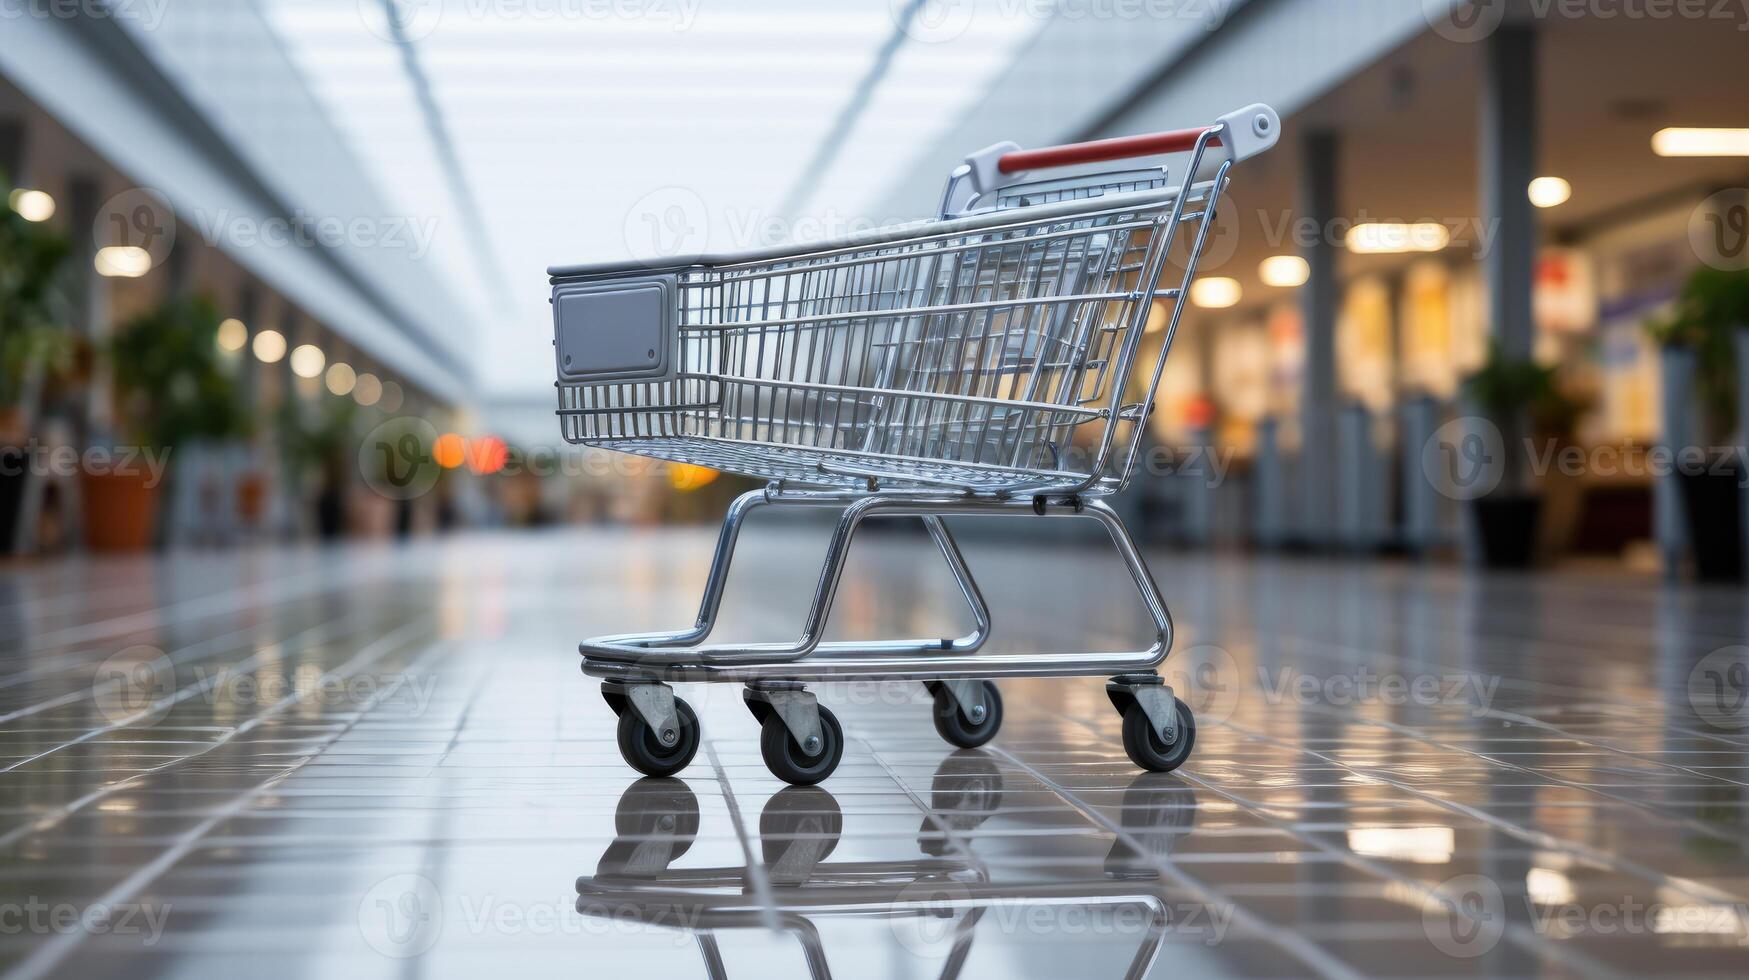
<point>1099,151</point>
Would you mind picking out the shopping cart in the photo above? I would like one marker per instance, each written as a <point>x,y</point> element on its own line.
<point>977,364</point>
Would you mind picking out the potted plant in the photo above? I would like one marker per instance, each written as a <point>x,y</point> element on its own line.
<point>320,446</point>
<point>33,343</point>
<point>173,390</point>
<point>1522,399</point>
<point>1710,313</point>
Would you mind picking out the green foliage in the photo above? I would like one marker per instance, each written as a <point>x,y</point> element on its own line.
<point>1507,390</point>
<point>1713,306</point>
<point>313,441</point>
<point>174,387</point>
<point>32,328</point>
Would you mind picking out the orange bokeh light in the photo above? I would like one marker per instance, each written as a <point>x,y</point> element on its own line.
<point>685,476</point>
<point>449,451</point>
<point>487,455</point>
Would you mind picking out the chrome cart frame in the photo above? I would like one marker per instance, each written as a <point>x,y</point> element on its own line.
<point>976,365</point>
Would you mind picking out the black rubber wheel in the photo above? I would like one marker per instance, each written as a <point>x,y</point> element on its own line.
<point>644,751</point>
<point>799,814</point>
<point>650,810</point>
<point>953,726</point>
<point>1145,748</point>
<point>790,762</point>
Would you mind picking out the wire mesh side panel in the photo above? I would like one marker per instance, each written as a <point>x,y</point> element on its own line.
<point>600,413</point>
<point>973,360</point>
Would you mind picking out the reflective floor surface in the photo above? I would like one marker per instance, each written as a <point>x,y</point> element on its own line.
<point>383,761</point>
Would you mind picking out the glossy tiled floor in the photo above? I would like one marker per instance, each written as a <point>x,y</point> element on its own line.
<point>383,762</point>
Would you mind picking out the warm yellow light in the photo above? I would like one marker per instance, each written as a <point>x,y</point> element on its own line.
<point>1417,845</point>
<point>307,361</point>
<point>1284,271</point>
<point>686,476</point>
<point>450,450</point>
<point>341,378</point>
<point>269,346</point>
<point>368,390</point>
<point>32,205</point>
<point>1548,192</point>
<point>233,335</point>
<point>1215,292</point>
<point>1395,238</point>
<point>1692,142</point>
<point>123,261</point>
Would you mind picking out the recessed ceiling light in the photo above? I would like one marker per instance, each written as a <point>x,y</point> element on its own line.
<point>1548,192</point>
<point>32,205</point>
<point>233,334</point>
<point>269,346</point>
<point>307,361</point>
<point>1678,142</point>
<point>1389,238</point>
<point>1284,271</point>
<point>1215,292</point>
<point>122,261</point>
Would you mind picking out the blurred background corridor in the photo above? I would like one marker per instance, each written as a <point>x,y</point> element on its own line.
<point>1457,407</point>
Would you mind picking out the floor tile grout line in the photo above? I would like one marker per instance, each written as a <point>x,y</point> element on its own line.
<point>1600,743</point>
<point>259,659</point>
<point>48,821</point>
<point>1357,861</point>
<point>66,662</point>
<point>1309,954</point>
<point>48,956</point>
<point>959,842</point>
<point>90,690</point>
<point>1540,838</point>
<point>1646,808</point>
<point>756,876</point>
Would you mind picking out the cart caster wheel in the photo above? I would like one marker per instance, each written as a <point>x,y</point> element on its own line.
<point>793,764</point>
<point>951,723</point>
<point>1144,746</point>
<point>643,750</point>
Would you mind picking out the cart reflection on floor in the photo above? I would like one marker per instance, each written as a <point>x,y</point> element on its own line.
<point>657,821</point>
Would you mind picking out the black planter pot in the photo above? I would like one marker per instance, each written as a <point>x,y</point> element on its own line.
<point>1507,529</point>
<point>13,474</point>
<point>1711,505</point>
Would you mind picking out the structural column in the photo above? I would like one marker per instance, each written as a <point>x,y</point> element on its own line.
<point>1507,166</point>
<point>1318,302</point>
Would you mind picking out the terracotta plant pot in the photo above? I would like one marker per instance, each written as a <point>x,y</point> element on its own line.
<point>119,510</point>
